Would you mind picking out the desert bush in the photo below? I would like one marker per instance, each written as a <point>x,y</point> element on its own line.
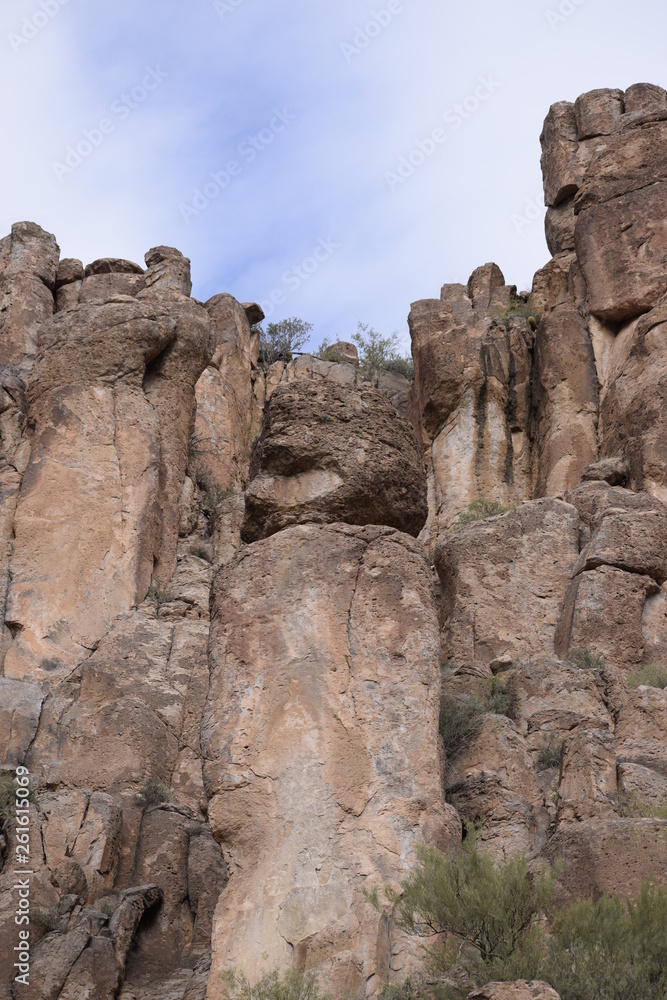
<point>402,366</point>
<point>328,352</point>
<point>292,985</point>
<point>651,675</point>
<point>631,804</point>
<point>479,510</point>
<point>159,595</point>
<point>459,720</point>
<point>498,695</point>
<point>587,659</point>
<point>610,949</point>
<point>498,927</point>
<point>280,341</point>
<point>152,793</point>
<point>520,306</point>
<point>549,754</point>
<point>490,913</point>
<point>45,917</point>
<point>377,353</point>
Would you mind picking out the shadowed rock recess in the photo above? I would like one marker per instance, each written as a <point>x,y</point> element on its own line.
<point>232,596</point>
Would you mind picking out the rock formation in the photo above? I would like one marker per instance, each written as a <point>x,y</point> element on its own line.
<point>233,595</point>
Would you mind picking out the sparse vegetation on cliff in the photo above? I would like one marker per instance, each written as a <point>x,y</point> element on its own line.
<point>586,659</point>
<point>521,306</point>
<point>498,926</point>
<point>378,354</point>
<point>292,985</point>
<point>280,341</point>
<point>652,676</point>
<point>153,793</point>
<point>478,510</point>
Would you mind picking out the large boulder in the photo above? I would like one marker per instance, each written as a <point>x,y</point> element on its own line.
<point>321,748</point>
<point>503,582</point>
<point>633,402</point>
<point>331,452</point>
<point>621,234</point>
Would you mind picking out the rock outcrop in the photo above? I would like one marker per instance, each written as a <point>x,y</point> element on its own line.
<point>234,596</point>
<point>333,453</point>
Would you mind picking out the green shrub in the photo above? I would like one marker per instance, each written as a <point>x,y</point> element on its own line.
<point>521,307</point>
<point>549,754</point>
<point>610,949</point>
<point>402,366</point>
<point>328,352</point>
<point>152,793</point>
<point>631,804</point>
<point>479,510</point>
<point>498,695</point>
<point>587,659</point>
<point>498,928</point>
<point>292,985</point>
<point>45,917</point>
<point>493,911</point>
<point>652,676</point>
<point>459,720</point>
<point>280,341</point>
<point>159,595</point>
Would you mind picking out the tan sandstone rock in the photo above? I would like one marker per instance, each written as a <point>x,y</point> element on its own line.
<point>321,748</point>
<point>521,989</point>
<point>472,394</point>
<point>504,579</point>
<point>328,453</point>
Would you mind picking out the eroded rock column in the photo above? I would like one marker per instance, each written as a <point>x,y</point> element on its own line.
<point>321,731</point>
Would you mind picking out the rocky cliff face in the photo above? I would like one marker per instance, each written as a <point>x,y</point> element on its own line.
<point>231,596</point>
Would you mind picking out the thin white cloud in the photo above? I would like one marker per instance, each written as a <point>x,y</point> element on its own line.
<point>363,99</point>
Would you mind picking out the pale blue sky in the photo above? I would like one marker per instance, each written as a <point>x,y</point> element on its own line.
<point>315,117</point>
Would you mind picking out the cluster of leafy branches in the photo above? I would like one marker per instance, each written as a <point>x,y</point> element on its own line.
<point>461,718</point>
<point>280,341</point>
<point>495,922</point>
<point>377,354</point>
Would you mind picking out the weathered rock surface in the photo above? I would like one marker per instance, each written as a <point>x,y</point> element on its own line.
<point>330,685</point>
<point>565,398</point>
<point>521,989</point>
<point>215,797</point>
<point>633,402</point>
<point>472,364</point>
<point>493,782</point>
<point>504,580</point>
<point>334,453</point>
<point>608,856</point>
